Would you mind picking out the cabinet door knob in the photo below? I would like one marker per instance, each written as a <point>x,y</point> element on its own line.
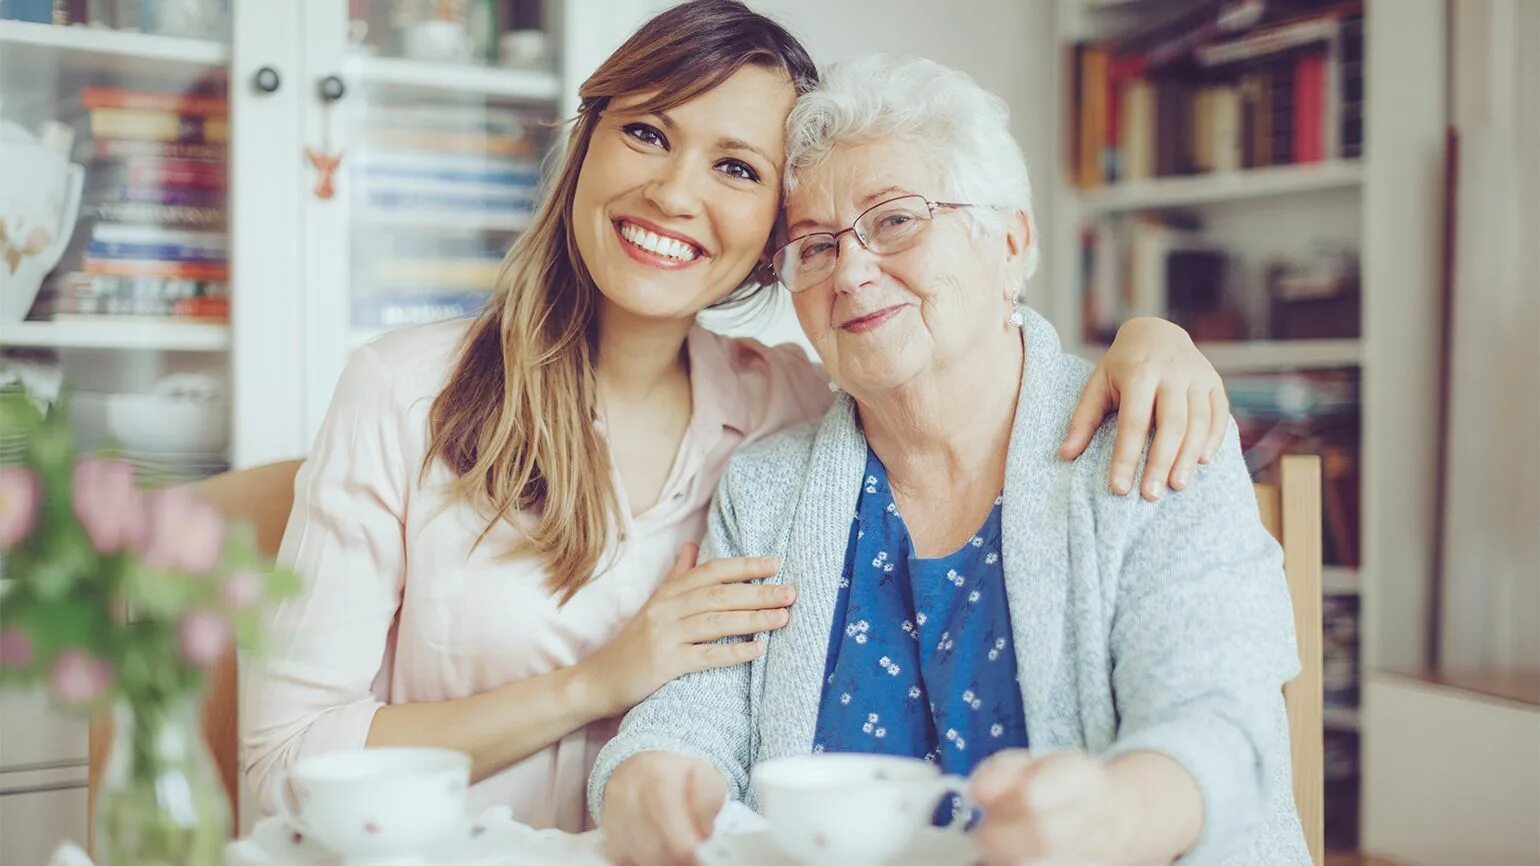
<point>267,80</point>
<point>332,88</point>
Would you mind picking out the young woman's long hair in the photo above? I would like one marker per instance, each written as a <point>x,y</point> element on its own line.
<point>515,420</point>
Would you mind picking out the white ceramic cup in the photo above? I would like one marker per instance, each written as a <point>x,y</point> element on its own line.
<point>848,808</point>
<point>378,806</point>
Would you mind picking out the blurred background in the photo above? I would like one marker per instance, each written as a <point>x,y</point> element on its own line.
<point>206,204</point>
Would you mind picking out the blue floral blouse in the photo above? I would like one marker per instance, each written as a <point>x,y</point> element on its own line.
<point>921,661</point>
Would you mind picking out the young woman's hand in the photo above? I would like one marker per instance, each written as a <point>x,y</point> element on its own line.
<point>658,807</point>
<point>677,631</point>
<point>1153,372</point>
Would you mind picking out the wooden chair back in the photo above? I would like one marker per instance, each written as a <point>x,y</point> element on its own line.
<point>263,497</point>
<point>1291,511</point>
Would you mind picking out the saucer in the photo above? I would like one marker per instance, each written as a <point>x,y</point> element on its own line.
<point>929,846</point>
<point>492,839</point>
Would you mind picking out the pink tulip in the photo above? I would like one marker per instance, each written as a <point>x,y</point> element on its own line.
<point>15,649</point>
<point>77,678</point>
<point>108,504</point>
<point>243,589</point>
<point>18,505</point>
<point>204,636</point>
<point>186,534</point>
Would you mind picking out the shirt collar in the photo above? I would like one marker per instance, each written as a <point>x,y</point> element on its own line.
<point>717,393</point>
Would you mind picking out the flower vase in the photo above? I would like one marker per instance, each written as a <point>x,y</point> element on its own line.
<point>161,801</point>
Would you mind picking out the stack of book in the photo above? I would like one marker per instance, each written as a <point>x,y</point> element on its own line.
<point>1341,689</point>
<point>1207,94</point>
<point>441,191</point>
<point>1307,412</point>
<point>1156,265</point>
<point>154,212</point>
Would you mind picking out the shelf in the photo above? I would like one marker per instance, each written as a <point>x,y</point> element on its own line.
<point>491,82</point>
<point>1339,580</point>
<point>1259,356</point>
<point>1339,719</point>
<point>1266,355</point>
<point>33,52</point>
<point>1224,187</point>
<point>131,334</point>
<point>427,221</point>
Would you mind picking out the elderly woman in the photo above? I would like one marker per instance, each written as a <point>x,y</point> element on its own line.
<point>987,597</point>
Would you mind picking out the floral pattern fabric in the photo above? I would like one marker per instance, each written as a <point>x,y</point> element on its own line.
<point>921,660</point>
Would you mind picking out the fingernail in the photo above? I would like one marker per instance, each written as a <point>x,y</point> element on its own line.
<point>770,562</point>
<point>1153,490</point>
<point>1183,476</point>
<point>1120,485</point>
<point>788,593</point>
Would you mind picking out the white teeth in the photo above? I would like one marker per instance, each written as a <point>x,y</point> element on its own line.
<point>657,244</point>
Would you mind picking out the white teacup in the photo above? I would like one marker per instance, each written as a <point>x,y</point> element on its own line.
<point>849,808</point>
<point>379,806</point>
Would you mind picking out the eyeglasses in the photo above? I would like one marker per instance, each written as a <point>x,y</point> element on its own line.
<point>889,227</point>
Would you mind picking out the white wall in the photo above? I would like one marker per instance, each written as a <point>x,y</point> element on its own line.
<point>1451,778</point>
<point>1490,615</point>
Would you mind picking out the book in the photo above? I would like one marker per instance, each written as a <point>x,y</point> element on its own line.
<point>155,252</point>
<point>156,214</point>
<point>190,196</point>
<point>123,148</point>
<point>128,233</point>
<point>178,172</point>
<point>213,271</point>
<point>184,104</point>
<point>157,126</point>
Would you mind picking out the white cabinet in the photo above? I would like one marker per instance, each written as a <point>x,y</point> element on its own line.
<point>38,811</point>
<point>209,242</point>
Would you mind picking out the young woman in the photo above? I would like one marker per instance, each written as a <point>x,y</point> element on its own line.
<point>488,519</point>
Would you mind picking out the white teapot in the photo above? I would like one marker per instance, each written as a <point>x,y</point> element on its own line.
<point>39,201</point>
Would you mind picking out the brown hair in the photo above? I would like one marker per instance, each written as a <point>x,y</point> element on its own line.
<point>515,421</point>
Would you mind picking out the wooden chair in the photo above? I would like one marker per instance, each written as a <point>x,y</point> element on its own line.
<point>263,497</point>
<point>1291,511</point>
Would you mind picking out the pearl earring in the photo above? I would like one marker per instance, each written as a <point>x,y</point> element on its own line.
<point>1017,319</point>
<point>833,388</point>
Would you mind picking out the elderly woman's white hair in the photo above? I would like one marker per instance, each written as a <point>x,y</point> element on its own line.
<point>961,127</point>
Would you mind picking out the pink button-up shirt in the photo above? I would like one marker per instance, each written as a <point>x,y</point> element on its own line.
<point>398,608</point>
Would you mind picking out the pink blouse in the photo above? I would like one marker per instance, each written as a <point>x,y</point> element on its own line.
<point>398,608</point>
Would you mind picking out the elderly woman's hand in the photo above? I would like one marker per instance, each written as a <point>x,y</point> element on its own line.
<point>658,807</point>
<point>1056,809</point>
<point>1152,371</point>
<point>1070,807</point>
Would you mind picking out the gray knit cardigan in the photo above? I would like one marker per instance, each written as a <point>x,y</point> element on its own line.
<point>1162,626</point>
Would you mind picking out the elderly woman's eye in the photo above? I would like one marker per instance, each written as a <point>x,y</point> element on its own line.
<point>645,134</point>
<point>738,169</point>
<point>894,220</point>
<point>812,249</point>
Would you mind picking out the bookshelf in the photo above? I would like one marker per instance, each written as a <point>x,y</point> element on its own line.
<point>459,81</point>
<point>1379,203</point>
<point>27,44</point>
<point>1245,185</point>
<point>140,334</point>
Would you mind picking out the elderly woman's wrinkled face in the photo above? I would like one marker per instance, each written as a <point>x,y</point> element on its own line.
<point>880,321</point>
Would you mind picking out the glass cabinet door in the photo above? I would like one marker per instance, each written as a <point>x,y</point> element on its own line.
<point>114,246</point>
<point>115,134</point>
<point>425,139</point>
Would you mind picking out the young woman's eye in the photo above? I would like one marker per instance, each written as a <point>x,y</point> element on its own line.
<point>738,169</point>
<point>645,134</point>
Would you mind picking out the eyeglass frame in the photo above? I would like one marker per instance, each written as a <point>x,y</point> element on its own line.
<point>930,206</point>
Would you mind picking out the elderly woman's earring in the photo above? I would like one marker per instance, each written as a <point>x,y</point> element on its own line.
<point>1016,319</point>
<point>833,388</point>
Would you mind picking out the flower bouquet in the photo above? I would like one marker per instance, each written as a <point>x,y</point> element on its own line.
<point>122,600</point>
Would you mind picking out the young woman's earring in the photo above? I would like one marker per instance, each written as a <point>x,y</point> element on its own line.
<point>1016,319</point>
<point>833,388</point>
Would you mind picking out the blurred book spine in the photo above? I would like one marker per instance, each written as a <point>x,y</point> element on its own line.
<point>1288,90</point>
